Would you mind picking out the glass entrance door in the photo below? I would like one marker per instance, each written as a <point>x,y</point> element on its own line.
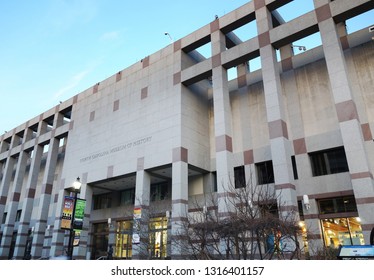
<point>123,249</point>
<point>158,238</point>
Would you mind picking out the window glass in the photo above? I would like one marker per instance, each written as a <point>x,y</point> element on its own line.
<point>239,175</point>
<point>160,191</point>
<point>328,162</point>
<point>4,217</point>
<point>99,240</point>
<point>265,173</point>
<point>123,248</point>
<point>18,215</point>
<point>158,237</point>
<point>294,168</point>
<point>337,205</point>
<point>342,231</point>
<point>102,201</point>
<point>269,209</point>
<point>128,197</point>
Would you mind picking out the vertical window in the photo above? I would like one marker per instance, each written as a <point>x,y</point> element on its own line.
<point>239,175</point>
<point>4,217</point>
<point>294,168</point>
<point>301,209</point>
<point>215,186</point>
<point>265,173</point>
<point>328,162</point>
<point>18,215</point>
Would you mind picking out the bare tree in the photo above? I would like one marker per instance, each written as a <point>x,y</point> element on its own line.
<point>252,229</point>
<point>144,245</point>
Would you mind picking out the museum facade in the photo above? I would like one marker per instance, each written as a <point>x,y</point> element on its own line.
<point>175,127</point>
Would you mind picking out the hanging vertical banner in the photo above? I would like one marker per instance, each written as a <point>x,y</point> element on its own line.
<point>80,205</point>
<point>77,236</point>
<point>137,213</point>
<point>67,213</point>
<point>136,227</point>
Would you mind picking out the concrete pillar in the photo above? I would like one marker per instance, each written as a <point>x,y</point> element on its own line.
<point>3,145</point>
<point>28,203</point>
<point>4,190</point>
<point>222,122</point>
<point>208,183</point>
<point>2,164</point>
<point>179,210</point>
<point>45,198</point>
<point>58,235</point>
<point>55,234</point>
<point>348,117</point>
<point>16,141</point>
<point>58,120</point>
<point>281,149</point>
<point>13,204</point>
<point>142,200</point>
<point>27,135</point>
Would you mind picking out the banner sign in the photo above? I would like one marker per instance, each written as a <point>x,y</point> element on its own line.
<point>135,238</point>
<point>80,205</point>
<point>137,213</point>
<point>67,213</point>
<point>136,225</point>
<point>77,236</point>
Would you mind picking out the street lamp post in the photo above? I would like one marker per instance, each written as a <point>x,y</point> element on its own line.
<point>75,189</point>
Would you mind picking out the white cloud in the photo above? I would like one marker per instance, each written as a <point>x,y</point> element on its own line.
<point>78,81</point>
<point>109,36</point>
<point>74,82</point>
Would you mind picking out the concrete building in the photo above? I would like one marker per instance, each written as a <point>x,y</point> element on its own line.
<point>173,127</point>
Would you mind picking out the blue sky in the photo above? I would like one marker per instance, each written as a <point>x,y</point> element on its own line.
<point>53,49</point>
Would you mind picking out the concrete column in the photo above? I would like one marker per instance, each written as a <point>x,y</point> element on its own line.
<point>4,190</point>
<point>208,183</point>
<point>313,227</point>
<point>13,204</point>
<point>3,145</point>
<point>57,245</point>
<point>346,110</point>
<point>275,110</point>
<point>179,210</point>
<point>142,200</point>
<point>2,164</point>
<point>16,141</point>
<point>58,234</point>
<point>28,135</point>
<point>58,120</point>
<point>28,203</point>
<point>45,198</point>
<point>222,122</point>
<point>242,69</point>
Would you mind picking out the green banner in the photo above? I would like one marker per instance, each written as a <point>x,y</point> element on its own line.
<point>79,213</point>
